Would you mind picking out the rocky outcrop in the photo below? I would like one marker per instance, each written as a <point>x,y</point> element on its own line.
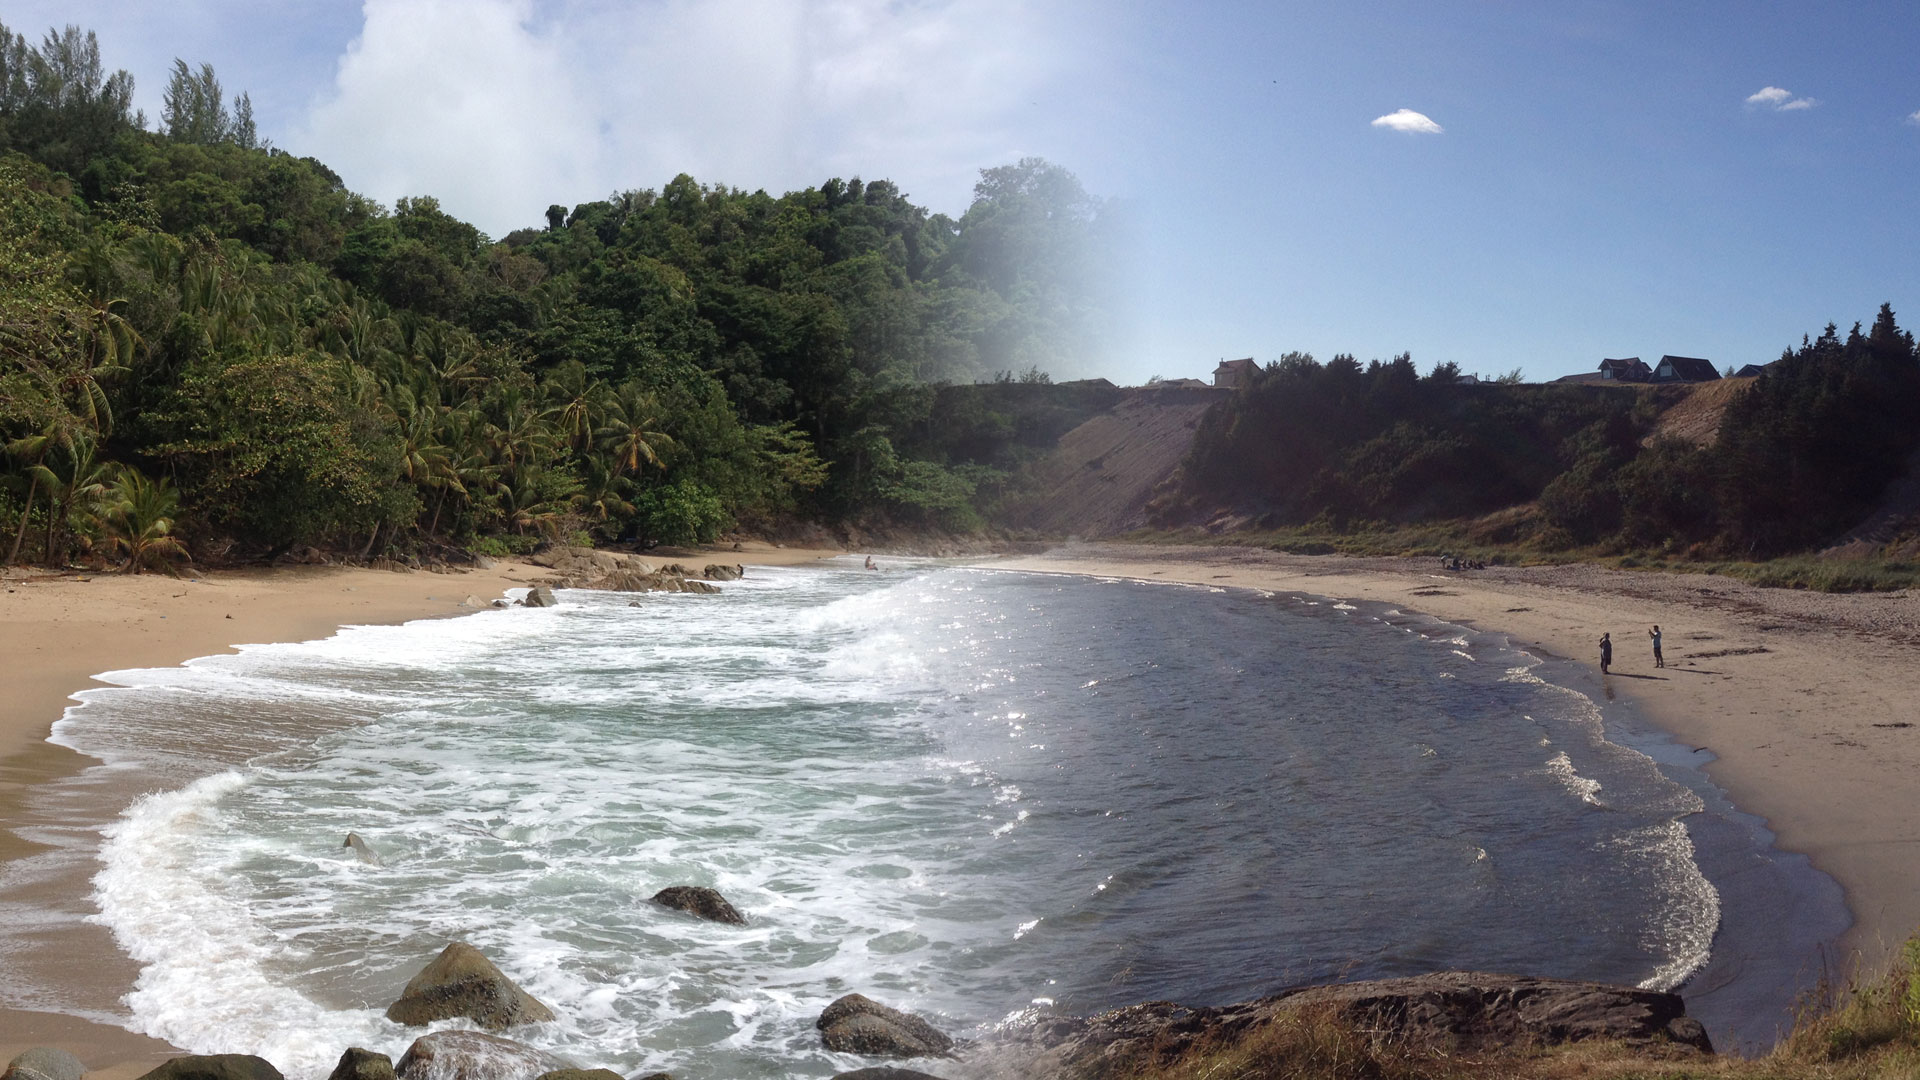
<point>358,1064</point>
<point>724,572</point>
<point>700,900</point>
<point>540,596</point>
<point>648,581</point>
<point>462,982</point>
<point>1451,1011</point>
<point>470,1055</point>
<point>215,1067</point>
<point>44,1063</point>
<point>580,1074</point>
<point>884,1072</point>
<point>362,850</point>
<point>856,1024</point>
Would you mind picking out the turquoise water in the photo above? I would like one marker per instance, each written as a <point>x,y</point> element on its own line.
<point>967,793</point>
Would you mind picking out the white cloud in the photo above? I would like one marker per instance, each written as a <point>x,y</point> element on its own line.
<point>1914,118</point>
<point>1408,121</point>
<point>499,107</point>
<point>1773,97</point>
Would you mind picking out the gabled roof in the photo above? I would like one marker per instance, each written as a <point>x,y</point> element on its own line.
<point>1689,368</point>
<point>1234,365</point>
<point>1631,367</point>
<point>1750,369</point>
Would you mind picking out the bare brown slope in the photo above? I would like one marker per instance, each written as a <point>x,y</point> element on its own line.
<point>1695,418</point>
<point>1097,481</point>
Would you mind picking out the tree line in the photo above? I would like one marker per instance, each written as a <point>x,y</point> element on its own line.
<point>212,343</point>
<point>1800,456</point>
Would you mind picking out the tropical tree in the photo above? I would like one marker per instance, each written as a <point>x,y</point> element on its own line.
<point>75,479</point>
<point>632,433</point>
<point>139,521</point>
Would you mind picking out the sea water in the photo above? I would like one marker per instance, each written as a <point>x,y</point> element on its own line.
<point>966,793</point>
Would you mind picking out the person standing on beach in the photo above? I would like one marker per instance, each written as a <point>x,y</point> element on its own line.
<point>1655,635</point>
<point>1606,652</point>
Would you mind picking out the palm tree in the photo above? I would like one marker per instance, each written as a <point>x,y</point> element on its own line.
<point>139,521</point>
<point>631,434</point>
<point>59,433</point>
<point>84,482</point>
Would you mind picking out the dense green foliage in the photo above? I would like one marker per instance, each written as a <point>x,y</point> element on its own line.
<point>1801,456</point>
<point>305,366</point>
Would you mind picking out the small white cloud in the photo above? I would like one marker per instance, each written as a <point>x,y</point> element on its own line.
<point>1914,119</point>
<point>1410,122</point>
<point>1773,97</point>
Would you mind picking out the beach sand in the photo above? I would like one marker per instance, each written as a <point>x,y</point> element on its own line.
<point>57,632</point>
<point>1807,701</point>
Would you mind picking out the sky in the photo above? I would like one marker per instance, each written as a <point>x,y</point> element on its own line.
<point>1497,184</point>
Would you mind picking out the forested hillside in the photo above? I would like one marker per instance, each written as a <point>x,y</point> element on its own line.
<point>1801,455</point>
<point>209,344</point>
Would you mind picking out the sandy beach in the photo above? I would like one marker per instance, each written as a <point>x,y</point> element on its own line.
<point>1805,700</point>
<point>58,631</point>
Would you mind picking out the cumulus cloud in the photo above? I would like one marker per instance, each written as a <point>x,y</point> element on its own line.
<point>1408,121</point>
<point>1779,100</point>
<point>501,106</point>
<point>1914,119</point>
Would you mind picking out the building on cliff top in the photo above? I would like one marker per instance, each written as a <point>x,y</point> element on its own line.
<point>1685,369</point>
<point>1631,369</point>
<point>1235,374</point>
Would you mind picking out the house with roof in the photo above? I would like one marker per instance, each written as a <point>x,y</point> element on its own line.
<point>1750,370</point>
<point>1685,369</point>
<point>1630,369</point>
<point>1235,374</point>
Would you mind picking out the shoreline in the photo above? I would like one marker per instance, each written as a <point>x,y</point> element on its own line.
<point>1810,732</point>
<point>1749,663</point>
<point>70,628</point>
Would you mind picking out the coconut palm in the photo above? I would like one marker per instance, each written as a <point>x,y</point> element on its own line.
<point>632,432</point>
<point>139,521</point>
<point>74,488</point>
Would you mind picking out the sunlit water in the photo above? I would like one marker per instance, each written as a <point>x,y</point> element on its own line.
<point>957,791</point>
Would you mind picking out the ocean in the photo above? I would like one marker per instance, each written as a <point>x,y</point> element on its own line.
<point>977,795</point>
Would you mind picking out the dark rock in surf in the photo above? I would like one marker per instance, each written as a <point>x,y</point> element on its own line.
<point>580,1074</point>
<point>1448,1012</point>
<point>690,585</point>
<point>463,982</point>
<point>215,1067</point>
<point>700,900</point>
<point>358,1064</point>
<point>470,1055</point>
<point>44,1063</point>
<point>856,1024</point>
<point>723,572</point>
<point>363,850</point>
<point>884,1072</point>
<point>540,596</point>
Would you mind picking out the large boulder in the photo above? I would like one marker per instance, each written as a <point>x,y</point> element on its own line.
<point>44,1063</point>
<point>540,596</point>
<point>723,572</point>
<point>856,1024</point>
<point>470,1055</point>
<point>358,1064</point>
<point>700,900</point>
<point>1446,1012</point>
<point>215,1067</point>
<point>462,982</point>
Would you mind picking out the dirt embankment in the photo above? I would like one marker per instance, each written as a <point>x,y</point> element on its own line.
<point>1695,419</point>
<point>1096,482</point>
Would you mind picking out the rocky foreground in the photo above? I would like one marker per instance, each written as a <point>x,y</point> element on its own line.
<point>1448,1013</point>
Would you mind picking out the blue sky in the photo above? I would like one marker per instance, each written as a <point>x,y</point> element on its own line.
<point>1601,184</point>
